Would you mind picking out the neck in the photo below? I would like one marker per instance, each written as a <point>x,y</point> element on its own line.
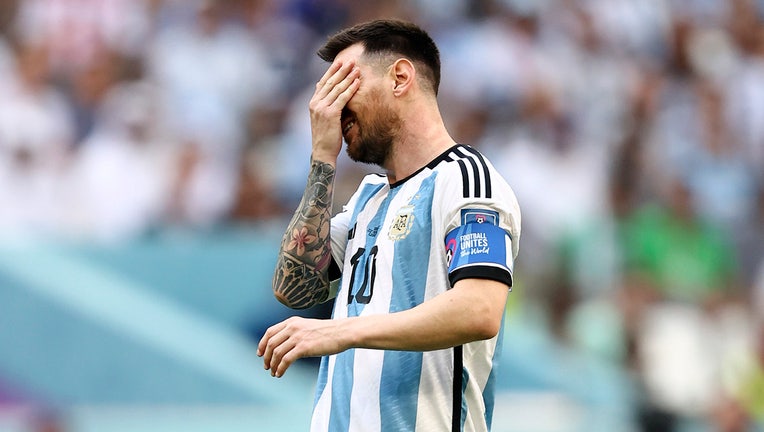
<point>423,138</point>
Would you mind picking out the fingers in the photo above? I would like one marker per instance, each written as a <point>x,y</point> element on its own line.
<point>333,68</point>
<point>333,91</point>
<point>344,96</point>
<point>262,345</point>
<point>336,82</point>
<point>283,356</point>
<point>273,337</point>
<point>276,348</point>
<point>296,338</point>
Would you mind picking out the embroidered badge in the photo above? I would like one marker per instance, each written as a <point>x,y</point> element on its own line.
<point>402,223</point>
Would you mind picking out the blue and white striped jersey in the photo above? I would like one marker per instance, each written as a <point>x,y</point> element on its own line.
<point>400,245</point>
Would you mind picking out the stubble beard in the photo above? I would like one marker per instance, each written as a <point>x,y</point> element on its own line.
<point>375,137</point>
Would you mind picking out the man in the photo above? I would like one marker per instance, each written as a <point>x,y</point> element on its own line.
<point>419,262</point>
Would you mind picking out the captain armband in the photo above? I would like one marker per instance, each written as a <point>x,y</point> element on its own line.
<point>479,248</point>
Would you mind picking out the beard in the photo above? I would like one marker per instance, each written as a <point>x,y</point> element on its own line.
<point>375,134</point>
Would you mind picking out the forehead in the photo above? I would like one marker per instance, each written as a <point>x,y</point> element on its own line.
<point>352,53</point>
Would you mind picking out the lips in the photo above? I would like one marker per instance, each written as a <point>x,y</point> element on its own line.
<point>348,120</point>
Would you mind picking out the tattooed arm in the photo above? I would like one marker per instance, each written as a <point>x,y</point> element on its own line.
<point>301,279</point>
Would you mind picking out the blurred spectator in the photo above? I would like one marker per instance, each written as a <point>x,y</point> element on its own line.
<point>120,179</point>
<point>88,87</point>
<point>682,257</point>
<point>35,134</point>
<point>206,168</point>
<point>211,61</point>
<point>77,30</point>
<point>541,161</point>
<point>290,43</point>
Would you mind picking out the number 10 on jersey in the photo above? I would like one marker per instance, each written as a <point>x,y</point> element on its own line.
<point>365,267</point>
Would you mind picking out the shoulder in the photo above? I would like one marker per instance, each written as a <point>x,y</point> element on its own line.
<point>468,173</point>
<point>469,186</point>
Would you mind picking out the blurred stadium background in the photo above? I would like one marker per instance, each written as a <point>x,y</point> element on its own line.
<point>151,152</point>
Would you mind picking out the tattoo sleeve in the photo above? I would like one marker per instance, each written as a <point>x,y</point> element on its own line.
<point>301,279</point>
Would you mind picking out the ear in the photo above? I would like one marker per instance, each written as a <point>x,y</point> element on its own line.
<point>404,76</point>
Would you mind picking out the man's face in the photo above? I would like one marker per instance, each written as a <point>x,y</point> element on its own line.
<point>370,125</point>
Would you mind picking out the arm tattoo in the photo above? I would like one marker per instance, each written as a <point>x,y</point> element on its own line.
<point>301,279</point>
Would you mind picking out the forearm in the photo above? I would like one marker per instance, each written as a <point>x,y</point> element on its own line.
<point>301,277</point>
<point>458,316</point>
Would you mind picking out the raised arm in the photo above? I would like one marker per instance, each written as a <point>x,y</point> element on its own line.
<point>301,279</point>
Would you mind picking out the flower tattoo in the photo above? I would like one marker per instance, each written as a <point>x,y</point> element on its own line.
<point>300,239</point>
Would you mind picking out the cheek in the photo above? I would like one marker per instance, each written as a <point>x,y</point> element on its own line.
<point>357,99</point>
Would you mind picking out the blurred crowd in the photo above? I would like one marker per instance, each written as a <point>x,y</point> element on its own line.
<point>632,132</point>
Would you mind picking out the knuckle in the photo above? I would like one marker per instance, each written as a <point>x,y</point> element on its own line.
<point>278,353</point>
<point>284,366</point>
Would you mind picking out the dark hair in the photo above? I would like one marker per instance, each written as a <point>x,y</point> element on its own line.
<point>389,37</point>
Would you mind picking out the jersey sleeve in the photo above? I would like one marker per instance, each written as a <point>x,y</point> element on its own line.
<point>339,239</point>
<point>481,223</point>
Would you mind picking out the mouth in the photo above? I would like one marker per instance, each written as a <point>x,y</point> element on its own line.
<point>348,121</point>
<point>348,125</point>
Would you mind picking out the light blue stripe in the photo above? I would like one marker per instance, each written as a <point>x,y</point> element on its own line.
<point>401,371</point>
<point>342,387</point>
<point>465,381</point>
<point>366,194</point>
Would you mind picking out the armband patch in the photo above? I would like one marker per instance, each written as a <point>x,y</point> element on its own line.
<point>479,241</point>
<point>480,216</point>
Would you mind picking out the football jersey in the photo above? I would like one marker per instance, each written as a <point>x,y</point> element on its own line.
<point>400,245</point>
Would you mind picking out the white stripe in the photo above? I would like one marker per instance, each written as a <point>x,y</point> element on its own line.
<point>436,382</point>
<point>435,391</point>
<point>483,264</point>
<point>479,369</point>
<point>364,401</point>
<point>322,410</point>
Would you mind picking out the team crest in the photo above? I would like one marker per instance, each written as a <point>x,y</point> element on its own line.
<point>402,223</point>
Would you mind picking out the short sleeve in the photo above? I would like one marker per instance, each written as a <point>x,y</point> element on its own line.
<point>480,220</point>
<point>478,248</point>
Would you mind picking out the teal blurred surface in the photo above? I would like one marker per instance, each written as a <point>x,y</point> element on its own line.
<point>167,321</point>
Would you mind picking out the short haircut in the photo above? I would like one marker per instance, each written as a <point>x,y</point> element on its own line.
<point>390,37</point>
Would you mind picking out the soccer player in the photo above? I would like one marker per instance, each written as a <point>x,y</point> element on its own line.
<point>419,262</point>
